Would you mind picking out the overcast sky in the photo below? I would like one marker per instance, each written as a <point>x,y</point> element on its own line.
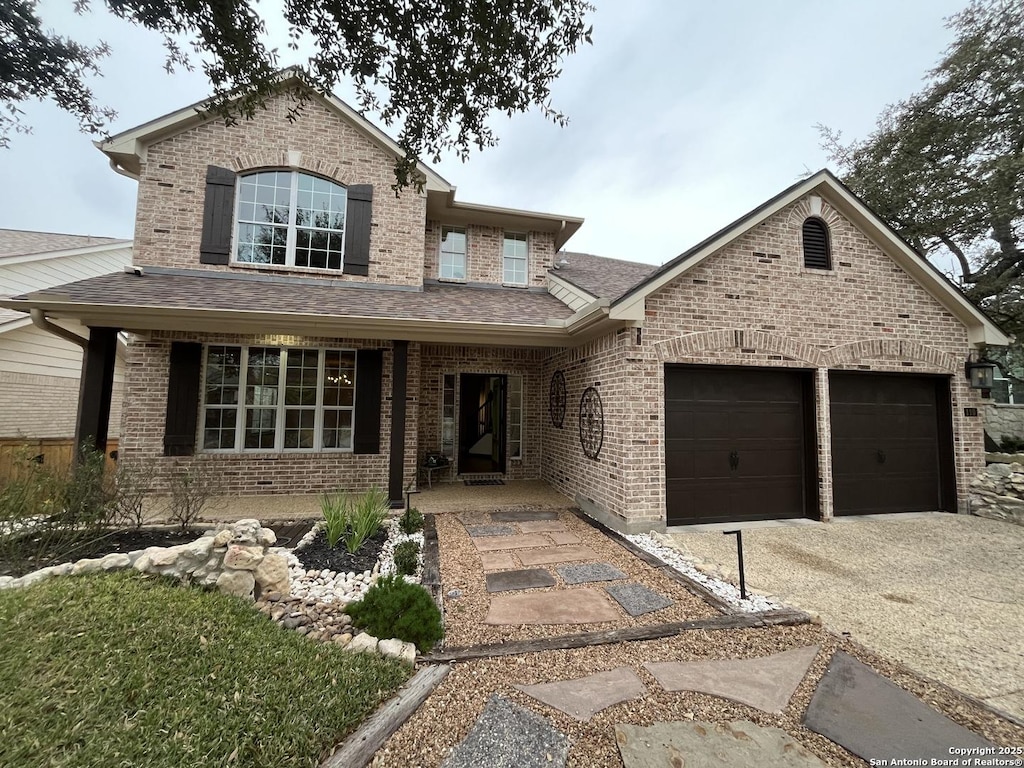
<point>684,116</point>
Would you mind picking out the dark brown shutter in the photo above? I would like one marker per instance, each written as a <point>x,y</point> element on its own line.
<point>218,216</point>
<point>357,229</point>
<point>182,399</point>
<point>816,250</point>
<point>366,436</point>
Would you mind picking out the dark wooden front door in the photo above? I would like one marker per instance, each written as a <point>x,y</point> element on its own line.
<point>892,443</point>
<point>737,444</point>
<point>481,423</point>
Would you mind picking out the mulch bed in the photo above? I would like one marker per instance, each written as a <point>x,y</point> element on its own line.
<point>318,555</point>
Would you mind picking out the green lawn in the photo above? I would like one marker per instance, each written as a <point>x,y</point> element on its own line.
<point>123,671</point>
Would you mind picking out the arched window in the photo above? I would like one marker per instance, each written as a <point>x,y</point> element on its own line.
<point>290,218</point>
<point>817,252</point>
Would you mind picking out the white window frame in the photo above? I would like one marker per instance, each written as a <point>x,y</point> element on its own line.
<point>515,416</point>
<point>453,254</point>
<point>281,407</point>
<point>515,258</point>
<point>450,449</point>
<point>292,237</point>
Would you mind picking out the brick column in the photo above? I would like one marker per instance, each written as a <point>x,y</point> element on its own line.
<point>823,432</point>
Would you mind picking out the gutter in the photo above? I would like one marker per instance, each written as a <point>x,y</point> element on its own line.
<point>39,321</point>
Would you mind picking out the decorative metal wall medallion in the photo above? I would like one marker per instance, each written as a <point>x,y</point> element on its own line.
<point>591,423</point>
<point>556,399</point>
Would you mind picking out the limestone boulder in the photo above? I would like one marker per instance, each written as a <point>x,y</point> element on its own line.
<point>246,532</point>
<point>272,574</point>
<point>363,643</point>
<point>115,562</point>
<point>243,558</point>
<point>237,583</point>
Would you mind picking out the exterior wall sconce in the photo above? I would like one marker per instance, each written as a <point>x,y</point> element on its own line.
<point>980,372</point>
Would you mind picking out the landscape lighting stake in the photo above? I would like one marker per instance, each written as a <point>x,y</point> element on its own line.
<point>739,555</point>
<point>408,497</point>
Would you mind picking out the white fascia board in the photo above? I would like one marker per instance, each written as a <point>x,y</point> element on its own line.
<point>573,290</point>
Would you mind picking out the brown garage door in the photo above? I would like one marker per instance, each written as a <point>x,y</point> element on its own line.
<point>892,444</point>
<point>736,444</point>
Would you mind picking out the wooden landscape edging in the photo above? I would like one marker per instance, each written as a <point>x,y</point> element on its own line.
<point>783,617</point>
<point>358,749</point>
<point>693,587</point>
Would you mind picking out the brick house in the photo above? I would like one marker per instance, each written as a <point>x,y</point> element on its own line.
<point>296,326</point>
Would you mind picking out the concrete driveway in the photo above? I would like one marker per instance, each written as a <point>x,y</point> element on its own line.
<point>943,594</point>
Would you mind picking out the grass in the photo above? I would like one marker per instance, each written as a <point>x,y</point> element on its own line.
<point>121,671</point>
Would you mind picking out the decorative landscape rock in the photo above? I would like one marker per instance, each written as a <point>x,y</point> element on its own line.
<point>636,599</point>
<point>584,697</point>
<point>589,572</point>
<point>363,643</point>
<point>507,735</point>
<point>526,578</point>
<point>998,493</point>
<point>477,531</point>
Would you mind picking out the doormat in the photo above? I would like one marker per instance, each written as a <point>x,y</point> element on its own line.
<point>484,481</point>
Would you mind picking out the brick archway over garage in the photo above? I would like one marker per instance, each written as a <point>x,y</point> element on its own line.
<point>897,349</point>
<point>693,344</point>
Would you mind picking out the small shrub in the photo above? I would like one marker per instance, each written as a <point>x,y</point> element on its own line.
<point>411,521</point>
<point>335,507</point>
<point>1012,445</point>
<point>192,487</point>
<point>133,481</point>
<point>87,495</point>
<point>407,558</point>
<point>395,608</point>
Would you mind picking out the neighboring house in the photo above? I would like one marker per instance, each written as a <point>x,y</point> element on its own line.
<point>295,326</point>
<point>39,371</point>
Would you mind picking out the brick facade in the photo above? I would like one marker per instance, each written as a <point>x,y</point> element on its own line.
<point>754,303</point>
<point>169,213</point>
<point>484,254</point>
<point>33,405</point>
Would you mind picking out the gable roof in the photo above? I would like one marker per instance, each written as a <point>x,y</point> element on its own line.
<point>23,242</point>
<point>127,150</point>
<point>981,328</point>
<point>600,276</point>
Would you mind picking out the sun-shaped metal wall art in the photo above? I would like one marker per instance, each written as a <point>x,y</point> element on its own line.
<point>591,423</point>
<point>556,399</point>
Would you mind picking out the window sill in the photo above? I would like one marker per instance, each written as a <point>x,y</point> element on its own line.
<point>515,285</point>
<point>451,280</point>
<point>819,272</point>
<point>270,453</point>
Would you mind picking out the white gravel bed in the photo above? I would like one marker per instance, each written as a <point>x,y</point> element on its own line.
<point>336,586</point>
<point>725,590</point>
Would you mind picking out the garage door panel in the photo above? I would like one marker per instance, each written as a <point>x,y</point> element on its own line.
<point>887,442</point>
<point>735,444</point>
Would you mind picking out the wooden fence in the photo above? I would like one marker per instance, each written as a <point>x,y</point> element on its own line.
<point>52,452</point>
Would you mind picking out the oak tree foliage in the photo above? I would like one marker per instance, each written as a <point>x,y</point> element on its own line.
<point>945,167</point>
<point>442,68</point>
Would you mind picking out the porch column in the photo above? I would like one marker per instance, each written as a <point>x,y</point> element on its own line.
<point>95,389</point>
<point>396,469</point>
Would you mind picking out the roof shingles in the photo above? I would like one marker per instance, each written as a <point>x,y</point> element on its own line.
<point>600,276</point>
<point>20,242</point>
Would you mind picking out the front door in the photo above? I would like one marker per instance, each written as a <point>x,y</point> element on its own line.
<point>481,423</point>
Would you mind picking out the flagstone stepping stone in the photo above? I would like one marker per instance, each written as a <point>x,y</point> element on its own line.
<point>519,541</point>
<point>765,683</point>
<point>523,515</point>
<point>477,531</point>
<point>564,537</point>
<point>587,572</point>
<point>541,526</point>
<point>584,697</point>
<point>567,606</point>
<point>549,555</point>
<point>507,735</point>
<point>697,744</point>
<point>874,718</point>
<point>637,599</point>
<point>497,561</point>
<point>528,578</point>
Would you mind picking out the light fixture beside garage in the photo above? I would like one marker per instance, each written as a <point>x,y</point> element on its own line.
<point>980,372</point>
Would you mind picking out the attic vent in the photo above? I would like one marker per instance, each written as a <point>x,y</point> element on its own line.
<point>816,251</point>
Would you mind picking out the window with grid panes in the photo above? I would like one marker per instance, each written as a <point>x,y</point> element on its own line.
<point>515,255</point>
<point>515,417</point>
<point>448,415</point>
<point>277,399</point>
<point>452,263</point>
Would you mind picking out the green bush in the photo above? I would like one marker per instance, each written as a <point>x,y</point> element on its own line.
<point>368,515</point>
<point>407,558</point>
<point>395,608</point>
<point>411,521</point>
<point>335,507</point>
<point>1012,445</point>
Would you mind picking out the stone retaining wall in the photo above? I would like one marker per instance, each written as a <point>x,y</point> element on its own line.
<point>998,493</point>
<point>1004,421</point>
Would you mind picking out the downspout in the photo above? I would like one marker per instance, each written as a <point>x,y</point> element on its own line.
<point>39,321</point>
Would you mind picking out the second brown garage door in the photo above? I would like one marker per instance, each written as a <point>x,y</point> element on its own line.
<point>892,443</point>
<point>737,444</point>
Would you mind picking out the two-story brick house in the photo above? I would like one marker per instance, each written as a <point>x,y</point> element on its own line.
<point>297,326</point>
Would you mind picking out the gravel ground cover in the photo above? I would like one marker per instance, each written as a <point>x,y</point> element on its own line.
<point>439,725</point>
<point>940,593</point>
<point>461,572</point>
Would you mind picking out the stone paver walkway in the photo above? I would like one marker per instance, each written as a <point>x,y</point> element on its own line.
<point>738,744</point>
<point>528,578</point>
<point>586,606</point>
<point>509,736</point>
<point>584,697</point>
<point>636,599</point>
<point>766,683</point>
<point>875,719</point>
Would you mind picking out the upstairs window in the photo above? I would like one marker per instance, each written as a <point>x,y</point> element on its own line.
<point>287,218</point>
<point>817,253</point>
<point>515,258</point>
<point>453,253</point>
